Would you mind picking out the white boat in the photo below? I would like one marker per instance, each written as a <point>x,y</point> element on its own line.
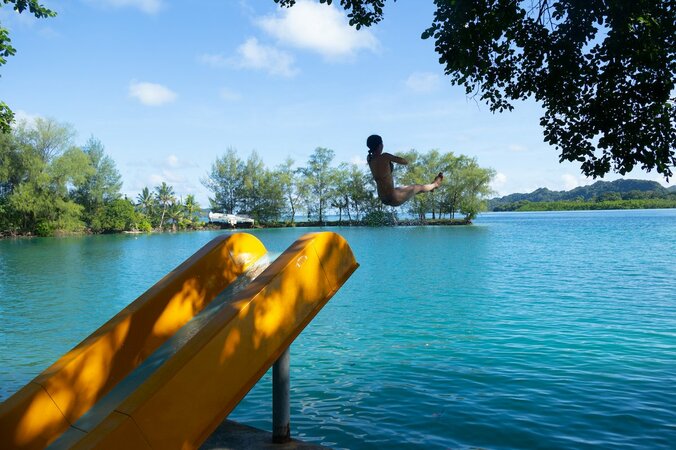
<point>232,219</point>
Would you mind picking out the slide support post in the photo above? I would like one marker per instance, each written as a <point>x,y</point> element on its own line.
<point>281,410</point>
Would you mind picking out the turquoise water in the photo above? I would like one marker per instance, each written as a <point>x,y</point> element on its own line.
<point>526,330</point>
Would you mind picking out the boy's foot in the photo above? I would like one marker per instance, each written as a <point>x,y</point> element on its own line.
<point>437,181</point>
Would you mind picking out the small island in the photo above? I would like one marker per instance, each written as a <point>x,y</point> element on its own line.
<point>618,194</point>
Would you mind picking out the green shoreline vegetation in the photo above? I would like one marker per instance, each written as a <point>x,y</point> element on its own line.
<point>583,205</point>
<point>618,194</point>
<point>50,186</point>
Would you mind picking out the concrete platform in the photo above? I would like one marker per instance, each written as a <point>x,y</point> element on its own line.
<point>235,436</point>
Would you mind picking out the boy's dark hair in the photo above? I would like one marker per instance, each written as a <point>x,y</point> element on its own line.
<point>372,142</point>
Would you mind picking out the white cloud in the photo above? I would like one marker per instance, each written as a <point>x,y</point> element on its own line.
<point>358,160</point>
<point>500,179</point>
<point>499,182</point>
<point>570,181</point>
<point>213,60</point>
<point>252,55</point>
<point>168,176</point>
<point>23,116</point>
<point>172,161</point>
<point>147,6</point>
<point>229,95</point>
<point>320,28</point>
<point>177,171</point>
<point>155,179</point>
<point>423,82</point>
<point>517,148</point>
<point>151,94</point>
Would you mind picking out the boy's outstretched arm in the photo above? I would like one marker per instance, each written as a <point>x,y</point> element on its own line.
<point>397,159</point>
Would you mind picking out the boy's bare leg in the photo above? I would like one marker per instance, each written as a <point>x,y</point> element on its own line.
<point>405,193</point>
<point>429,187</point>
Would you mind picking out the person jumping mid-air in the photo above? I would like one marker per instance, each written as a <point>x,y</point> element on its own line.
<point>381,169</point>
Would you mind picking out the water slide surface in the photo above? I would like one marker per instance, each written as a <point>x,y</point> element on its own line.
<point>132,400</point>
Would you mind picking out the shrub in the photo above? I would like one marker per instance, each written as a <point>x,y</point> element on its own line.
<point>379,219</point>
<point>115,216</point>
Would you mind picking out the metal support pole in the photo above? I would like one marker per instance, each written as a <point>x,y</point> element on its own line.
<point>281,411</point>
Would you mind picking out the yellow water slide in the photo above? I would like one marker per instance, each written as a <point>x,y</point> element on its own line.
<point>180,403</point>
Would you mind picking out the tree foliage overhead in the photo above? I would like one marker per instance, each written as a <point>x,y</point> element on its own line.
<point>602,70</point>
<point>6,49</point>
<point>360,12</point>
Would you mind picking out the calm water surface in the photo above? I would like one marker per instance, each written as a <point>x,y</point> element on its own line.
<point>526,330</point>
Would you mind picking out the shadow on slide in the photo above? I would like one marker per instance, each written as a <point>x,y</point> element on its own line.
<point>166,370</point>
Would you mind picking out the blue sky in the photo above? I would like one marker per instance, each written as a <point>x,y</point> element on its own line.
<point>168,86</point>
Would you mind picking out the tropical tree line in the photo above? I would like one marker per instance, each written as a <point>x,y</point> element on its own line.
<point>607,200</point>
<point>50,185</point>
<point>283,193</point>
<point>583,205</point>
<point>162,209</point>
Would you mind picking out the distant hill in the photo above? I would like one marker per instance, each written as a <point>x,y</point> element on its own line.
<point>596,190</point>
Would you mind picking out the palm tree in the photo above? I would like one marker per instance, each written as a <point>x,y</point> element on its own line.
<point>145,201</point>
<point>165,196</point>
<point>175,214</point>
<point>191,207</point>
